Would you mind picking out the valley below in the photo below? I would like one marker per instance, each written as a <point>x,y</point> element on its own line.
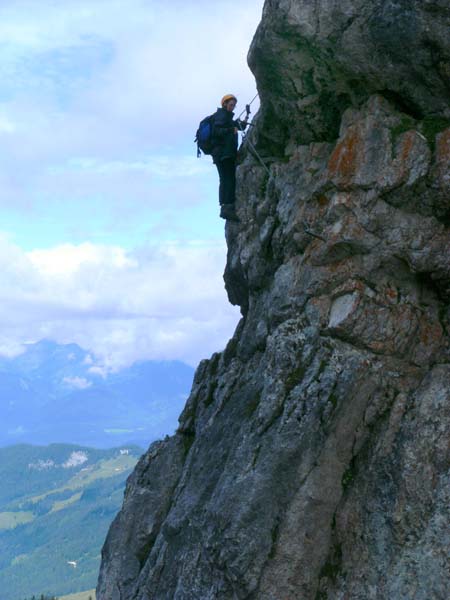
<point>56,504</point>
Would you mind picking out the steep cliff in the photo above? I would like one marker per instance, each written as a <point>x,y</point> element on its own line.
<point>312,458</point>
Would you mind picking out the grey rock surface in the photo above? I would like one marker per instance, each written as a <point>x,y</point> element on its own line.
<point>315,58</point>
<point>312,457</point>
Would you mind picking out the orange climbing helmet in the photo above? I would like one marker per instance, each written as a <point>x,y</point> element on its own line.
<point>228,97</point>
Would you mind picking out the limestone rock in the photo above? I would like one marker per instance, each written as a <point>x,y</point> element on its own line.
<point>315,58</point>
<point>312,457</point>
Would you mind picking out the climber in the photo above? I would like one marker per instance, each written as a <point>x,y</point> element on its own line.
<point>224,153</point>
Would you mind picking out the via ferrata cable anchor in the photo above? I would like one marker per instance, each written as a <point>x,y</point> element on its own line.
<point>312,233</point>
<point>247,139</point>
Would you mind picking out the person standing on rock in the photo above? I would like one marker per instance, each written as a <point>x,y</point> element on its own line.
<point>224,152</point>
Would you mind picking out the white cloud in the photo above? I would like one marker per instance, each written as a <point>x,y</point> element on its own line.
<point>6,125</point>
<point>110,87</point>
<point>42,465</point>
<point>168,64</point>
<point>67,259</point>
<point>99,103</point>
<point>163,302</point>
<point>77,383</point>
<point>162,166</point>
<point>75,459</point>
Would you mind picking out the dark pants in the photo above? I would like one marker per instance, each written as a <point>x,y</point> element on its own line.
<point>227,175</point>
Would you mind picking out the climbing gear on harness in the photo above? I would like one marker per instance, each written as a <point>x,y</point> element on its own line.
<point>247,139</point>
<point>248,105</point>
<point>203,137</point>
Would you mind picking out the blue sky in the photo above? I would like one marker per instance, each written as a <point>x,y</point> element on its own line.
<point>99,102</point>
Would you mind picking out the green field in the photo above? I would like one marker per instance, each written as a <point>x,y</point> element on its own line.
<point>54,516</point>
<point>10,520</point>
<point>80,596</point>
<point>61,505</point>
<point>102,470</point>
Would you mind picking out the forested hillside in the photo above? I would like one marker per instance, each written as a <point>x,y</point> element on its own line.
<point>56,504</point>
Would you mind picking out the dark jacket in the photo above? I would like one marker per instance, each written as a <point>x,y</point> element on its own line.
<point>225,141</point>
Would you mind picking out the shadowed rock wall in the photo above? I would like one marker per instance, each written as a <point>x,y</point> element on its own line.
<point>314,58</point>
<point>312,458</point>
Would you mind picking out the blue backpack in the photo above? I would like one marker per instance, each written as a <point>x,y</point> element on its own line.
<point>203,136</point>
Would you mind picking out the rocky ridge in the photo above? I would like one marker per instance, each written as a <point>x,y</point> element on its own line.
<point>312,457</point>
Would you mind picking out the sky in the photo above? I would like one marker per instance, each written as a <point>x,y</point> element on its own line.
<point>109,228</point>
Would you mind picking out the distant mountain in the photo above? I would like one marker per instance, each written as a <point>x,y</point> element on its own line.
<point>57,393</point>
<point>56,504</point>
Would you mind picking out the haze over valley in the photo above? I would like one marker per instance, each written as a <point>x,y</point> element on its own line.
<point>58,393</point>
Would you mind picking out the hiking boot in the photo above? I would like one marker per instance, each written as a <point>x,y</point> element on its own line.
<point>228,212</point>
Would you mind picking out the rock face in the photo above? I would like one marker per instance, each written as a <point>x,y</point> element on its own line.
<point>312,458</point>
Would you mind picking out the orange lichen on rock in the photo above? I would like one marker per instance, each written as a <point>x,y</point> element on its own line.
<point>343,162</point>
<point>408,141</point>
<point>443,146</point>
<point>443,157</point>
